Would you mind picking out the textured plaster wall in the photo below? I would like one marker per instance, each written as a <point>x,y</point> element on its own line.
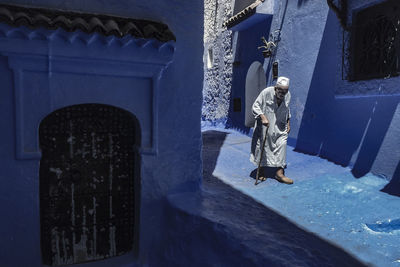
<point>176,167</point>
<point>351,123</point>
<point>379,148</point>
<point>302,24</point>
<point>218,78</point>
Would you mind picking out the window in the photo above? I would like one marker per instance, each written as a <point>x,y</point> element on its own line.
<point>237,104</point>
<point>375,42</point>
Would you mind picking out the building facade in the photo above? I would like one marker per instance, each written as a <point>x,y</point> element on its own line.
<point>343,77</point>
<point>100,115</point>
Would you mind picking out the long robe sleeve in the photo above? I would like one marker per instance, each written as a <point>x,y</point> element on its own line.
<point>257,111</point>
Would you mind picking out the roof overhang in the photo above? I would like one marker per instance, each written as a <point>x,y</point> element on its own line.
<point>69,21</point>
<point>259,11</point>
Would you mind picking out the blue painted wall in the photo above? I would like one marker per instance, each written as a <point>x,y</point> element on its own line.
<point>245,54</point>
<point>354,124</point>
<point>172,128</point>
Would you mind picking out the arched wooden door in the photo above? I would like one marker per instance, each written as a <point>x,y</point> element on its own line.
<point>87,183</point>
<point>255,83</point>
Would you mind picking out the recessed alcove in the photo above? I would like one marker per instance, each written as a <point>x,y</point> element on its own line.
<point>89,181</point>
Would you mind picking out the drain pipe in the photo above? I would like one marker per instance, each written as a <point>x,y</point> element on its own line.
<point>276,39</point>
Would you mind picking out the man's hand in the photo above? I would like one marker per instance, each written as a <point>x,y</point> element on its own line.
<point>288,127</point>
<point>264,120</point>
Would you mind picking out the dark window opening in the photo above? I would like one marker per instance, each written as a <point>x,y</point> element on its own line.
<point>87,184</point>
<point>375,42</point>
<point>237,105</point>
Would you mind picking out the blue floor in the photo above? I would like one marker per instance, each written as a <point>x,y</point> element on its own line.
<point>325,199</point>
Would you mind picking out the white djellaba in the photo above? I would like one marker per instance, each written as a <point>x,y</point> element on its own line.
<point>275,146</point>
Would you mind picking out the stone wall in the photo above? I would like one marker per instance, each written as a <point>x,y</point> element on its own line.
<point>218,73</point>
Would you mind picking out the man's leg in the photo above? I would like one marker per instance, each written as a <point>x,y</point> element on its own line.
<point>262,176</point>
<point>280,176</point>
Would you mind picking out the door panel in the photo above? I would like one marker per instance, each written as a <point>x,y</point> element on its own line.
<point>86,183</point>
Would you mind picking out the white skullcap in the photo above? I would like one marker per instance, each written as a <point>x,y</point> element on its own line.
<point>282,82</point>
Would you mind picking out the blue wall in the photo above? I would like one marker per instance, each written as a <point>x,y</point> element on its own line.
<point>170,158</point>
<point>246,53</point>
<point>354,124</point>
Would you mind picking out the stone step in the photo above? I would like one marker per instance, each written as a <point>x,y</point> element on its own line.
<point>220,226</point>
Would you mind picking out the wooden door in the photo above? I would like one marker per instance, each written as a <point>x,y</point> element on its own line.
<point>86,184</point>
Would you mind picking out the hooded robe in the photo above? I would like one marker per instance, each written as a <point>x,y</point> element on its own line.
<point>275,145</point>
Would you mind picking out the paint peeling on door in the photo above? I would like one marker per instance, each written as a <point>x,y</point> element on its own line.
<point>86,184</point>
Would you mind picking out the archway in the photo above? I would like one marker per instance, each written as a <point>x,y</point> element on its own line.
<point>255,83</point>
<point>88,183</point>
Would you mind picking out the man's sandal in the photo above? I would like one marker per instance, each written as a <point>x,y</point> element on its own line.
<point>283,179</point>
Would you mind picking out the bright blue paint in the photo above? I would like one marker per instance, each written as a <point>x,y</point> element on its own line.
<point>389,226</point>
<point>325,199</point>
<point>246,53</point>
<point>250,22</point>
<point>354,124</point>
<point>394,185</point>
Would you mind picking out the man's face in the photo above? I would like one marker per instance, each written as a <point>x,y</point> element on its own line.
<point>280,92</point>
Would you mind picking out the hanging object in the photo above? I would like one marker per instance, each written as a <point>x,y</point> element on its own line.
<point>275,70</point>
<point>270,46</point>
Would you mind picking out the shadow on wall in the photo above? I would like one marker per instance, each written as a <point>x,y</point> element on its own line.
<point>393,187</point>
<point>263,237</point>
<point>301,2</point>
<point>212,143</point>
<point>345,130</point>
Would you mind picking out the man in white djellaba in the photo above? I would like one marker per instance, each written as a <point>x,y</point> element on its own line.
<point>272,113</point>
